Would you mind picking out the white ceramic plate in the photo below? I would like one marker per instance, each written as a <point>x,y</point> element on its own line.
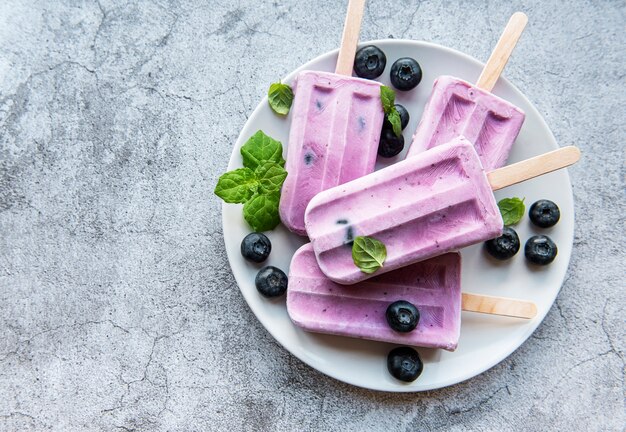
<point>485,340</point>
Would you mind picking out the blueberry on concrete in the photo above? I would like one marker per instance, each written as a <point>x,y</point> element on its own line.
<point>540,250</point>
<point>256,247</point>
<point>544,213</point>
<point>505,246</point>
<point>404,363</point>
<point>402,316</point>
<point>405,74</point>
<point>271,281</point>
<point>369,62</point>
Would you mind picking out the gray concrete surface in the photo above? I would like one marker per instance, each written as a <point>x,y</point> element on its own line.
<point>118,310</point>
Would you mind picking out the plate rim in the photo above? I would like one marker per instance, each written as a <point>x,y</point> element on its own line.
<point>402,387</point>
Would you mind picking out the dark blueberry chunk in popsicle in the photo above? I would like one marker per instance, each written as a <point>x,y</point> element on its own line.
<point>349,236</point>
<point>405,364</point>
<point>308,158</point>
<point>369,62</point>
<point>405,74</point>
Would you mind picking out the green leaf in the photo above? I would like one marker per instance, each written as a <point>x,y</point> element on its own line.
<point>271,177</point>
<point>280,98</point>
<point>387,98</point>
<point>261,212</point>
<point>260,148</point>
<point>237,186</point>
<point>512,210</point>
<point>368,254</point>
<point>396,123</point>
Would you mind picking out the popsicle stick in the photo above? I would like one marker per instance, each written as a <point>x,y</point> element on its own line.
<point>350,38</point>
<point>502,51</point>
<point>533,167</point>
<point>498,306</point>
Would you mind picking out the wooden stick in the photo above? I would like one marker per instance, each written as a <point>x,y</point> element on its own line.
<point>498,306</point>
<point>350,38</point>
<point>502,51</point>
<point>533,167</point>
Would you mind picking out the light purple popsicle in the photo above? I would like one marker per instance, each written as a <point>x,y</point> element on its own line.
<point>335,129</point>
<point>458,108</point>
<point>318,304</point>
<point>436,202</point>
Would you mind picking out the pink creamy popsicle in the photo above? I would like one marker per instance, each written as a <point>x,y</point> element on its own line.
<point>335,128</point>
<point>456,107</point>
<point>317,304</point>
<point>436,202</point>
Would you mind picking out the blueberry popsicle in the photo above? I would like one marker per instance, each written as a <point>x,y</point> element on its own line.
<point>436,202</point>
<point>335,128</point>
<point>317,304</point>
<point>456,107</point>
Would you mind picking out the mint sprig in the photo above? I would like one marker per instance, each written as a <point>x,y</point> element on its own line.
<point>237,186</point>
<point>261,212</point>
<point>512,210</point>
<point>257,185</point>
<point>368,254</point>
<point>280,98</point>
<point>387,99</point>
<point>270,176</point>
<point>260,148</point>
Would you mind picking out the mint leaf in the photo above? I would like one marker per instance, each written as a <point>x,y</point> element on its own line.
<point>237,186</point>
<point>387,98</point>
<point>259,148</point>
<point>261,212</point>
<point>368,254</point>
<point>512,210</point>
<point>271,177</point>
<point>280,98</point>
<point>396,123</point>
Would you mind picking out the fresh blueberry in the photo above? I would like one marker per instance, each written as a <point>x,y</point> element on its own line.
<point>404,115</point>
<point>404,363</point>
<point>505,246</point>
<point>369,62</point>
<point>402,316</point>
<point>256,247</point>
<point>390,144</point>
<point>540,250</point>
<point>544,213</point>
<point>271,281</point>
<point>405,74</point>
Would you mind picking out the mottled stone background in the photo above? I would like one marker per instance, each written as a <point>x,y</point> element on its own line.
<point>118,310</point>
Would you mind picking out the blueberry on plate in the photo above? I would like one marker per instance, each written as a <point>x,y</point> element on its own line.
<point>544,213</point>
<point>404,115</point>
<point>540,250</point>
<point>369,62</point>
<point>390,144</point>
<point>402,316</point>
<point>405,74</point>
<point>271,281</point>
<point>505,246</point>
<point>404,363</point>
<point>256,247</point>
